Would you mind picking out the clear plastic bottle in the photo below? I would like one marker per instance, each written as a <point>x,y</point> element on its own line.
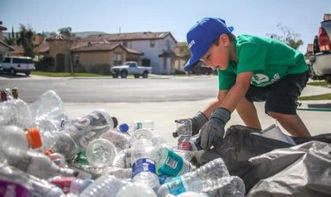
<point>24,184</point>
<point>135,125</point>
<point>123,159</point>
<point>170,163</point>
<point>100,153</point>
<point>104,186</point>
<point>15,112</point>
<point>143,170</point>
<point>70,184</point>
<point>23,140</point>
<point>210,177</point>
<point>121,141</point>
<point>38,164</point>
<point>136,190</point>
<point>77,134</point>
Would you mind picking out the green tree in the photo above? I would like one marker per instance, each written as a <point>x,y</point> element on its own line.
<point>66,31</point>
<point>26,40</point>
<point>287,36</point>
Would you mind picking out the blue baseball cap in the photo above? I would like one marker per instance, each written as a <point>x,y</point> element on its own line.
<point>201,36</point>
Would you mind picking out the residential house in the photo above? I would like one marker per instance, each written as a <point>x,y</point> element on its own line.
<point>158,47</point>
<point>182,55</point>
<point>102,55</point>
<point>5,49</point>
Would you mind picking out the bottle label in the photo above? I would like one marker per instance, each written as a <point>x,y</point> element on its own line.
<point>139,125</point>
<point>11,189</point>
<point>176,186</point>
<point>143,165</point>
<point>172,165</point>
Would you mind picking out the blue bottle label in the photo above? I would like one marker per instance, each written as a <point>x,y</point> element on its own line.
<point>176,186</point>
<point>143,165</point>
<point>172,165</point>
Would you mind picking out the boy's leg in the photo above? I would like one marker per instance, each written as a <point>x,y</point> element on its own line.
<point>281,103</point>
<point>248,114</point>
<point>291,123</point>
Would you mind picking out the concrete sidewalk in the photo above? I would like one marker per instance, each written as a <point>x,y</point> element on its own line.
<point>164,113</point>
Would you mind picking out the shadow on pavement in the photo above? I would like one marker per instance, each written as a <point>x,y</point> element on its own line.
<point>18,75</point>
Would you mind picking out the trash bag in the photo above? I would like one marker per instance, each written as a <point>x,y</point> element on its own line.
<point>302,170</point>
<point>239,144</point>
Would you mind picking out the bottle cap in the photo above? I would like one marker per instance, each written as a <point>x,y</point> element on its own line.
<point>34,138</point>
<point>124,128</point>
<point>115,121</point>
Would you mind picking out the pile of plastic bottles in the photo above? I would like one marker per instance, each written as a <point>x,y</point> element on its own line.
<point>44,153</point>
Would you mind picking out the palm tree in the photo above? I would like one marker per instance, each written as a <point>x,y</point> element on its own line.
<point>26,40</point>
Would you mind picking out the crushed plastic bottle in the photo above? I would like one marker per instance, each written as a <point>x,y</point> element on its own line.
<point>100,153</point>
<point>77,134</point>
<point>15,112</point>
<point>104,186</point>
<point>121,141</point>
<point>136,190</point>
<point>70,184</point>
<point>14,181</point>
<point>123,159</point>
<point>210,177</point>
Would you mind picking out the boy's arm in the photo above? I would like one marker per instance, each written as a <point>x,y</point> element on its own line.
<point>237,92</point>
<point>216,103</point>
<point>212,131</point>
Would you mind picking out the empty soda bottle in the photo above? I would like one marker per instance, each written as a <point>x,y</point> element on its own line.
<point>135,190</point>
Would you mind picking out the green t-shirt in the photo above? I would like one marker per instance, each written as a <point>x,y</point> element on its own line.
<point>268,59</point>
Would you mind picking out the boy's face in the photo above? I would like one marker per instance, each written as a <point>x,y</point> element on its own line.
<point>217,56</point>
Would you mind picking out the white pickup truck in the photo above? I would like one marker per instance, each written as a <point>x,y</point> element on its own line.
<point>130,67</point>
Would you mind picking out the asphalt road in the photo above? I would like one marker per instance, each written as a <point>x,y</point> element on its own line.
<point>108,90</point>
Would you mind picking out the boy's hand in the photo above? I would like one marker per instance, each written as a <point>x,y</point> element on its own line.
<point>213,130</point>
<point>197,122</point>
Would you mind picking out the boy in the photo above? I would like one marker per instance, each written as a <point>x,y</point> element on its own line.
<point>250,69</point>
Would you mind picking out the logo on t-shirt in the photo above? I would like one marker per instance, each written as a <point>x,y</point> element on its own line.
<point>264,80</point>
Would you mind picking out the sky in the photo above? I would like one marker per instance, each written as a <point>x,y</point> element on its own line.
<point>256,17</point>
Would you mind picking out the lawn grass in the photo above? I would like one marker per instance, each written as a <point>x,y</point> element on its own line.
<point>316,97</point>
<point>66,74</point>
<point>318,83</point>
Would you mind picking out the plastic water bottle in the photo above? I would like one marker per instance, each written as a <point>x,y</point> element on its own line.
<point>100,153</point>
<point>205,179</point>
<point>77,134</point>
<point>104,186</point>
<point>184,128</point>
<point>15,112</point>
<point>143,170</point>
<point>136,190</point>
<point>169,163</point>
<point>37,164</point>
<point>135,125</point>
<point>193,194</point>
<point>123,159</point>
<point>14,181</point>
<point>121,141</point>
<point>70,184</point>
<point>23,140</point>
<point>121,173</point>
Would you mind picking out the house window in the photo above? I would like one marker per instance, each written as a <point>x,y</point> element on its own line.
<point>125,44</point>
<point>168,44</point>
<point>117,59</point>
<point>152,43</point>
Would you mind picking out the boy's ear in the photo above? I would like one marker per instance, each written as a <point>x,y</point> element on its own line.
<point>224,40</point>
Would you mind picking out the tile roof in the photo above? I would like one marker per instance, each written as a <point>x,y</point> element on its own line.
<point>43,47</point>
<point>6,45</point>
<point>129,36</point>
<point>105,46</point>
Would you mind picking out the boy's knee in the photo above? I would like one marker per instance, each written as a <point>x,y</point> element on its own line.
<point>276,115</point>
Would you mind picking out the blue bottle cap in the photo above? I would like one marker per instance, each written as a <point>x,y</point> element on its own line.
<point>124,128</point>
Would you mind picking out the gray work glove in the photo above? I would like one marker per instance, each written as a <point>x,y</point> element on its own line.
<point>197,121</point>
<point>213,130</point>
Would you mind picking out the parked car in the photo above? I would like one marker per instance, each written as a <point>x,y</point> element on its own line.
<point>16,64</point>
<point>130,67</point>
<point>202,69</point>
<point>320,61</point>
